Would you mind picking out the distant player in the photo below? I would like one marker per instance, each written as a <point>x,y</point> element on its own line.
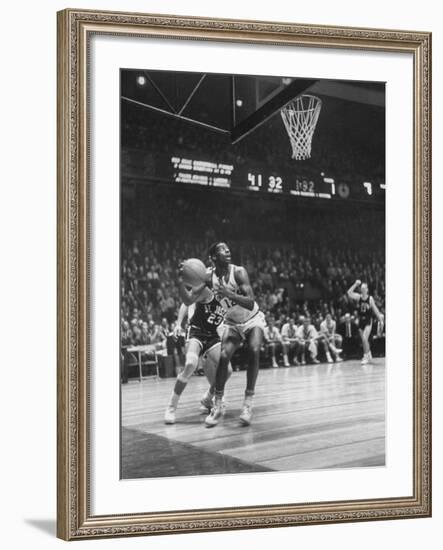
<point>333,340</point>
<point>203,341</point>
<point>366,310</point>
<point>243,322</point>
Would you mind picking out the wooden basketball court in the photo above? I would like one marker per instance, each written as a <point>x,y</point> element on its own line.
<point>314,417</point>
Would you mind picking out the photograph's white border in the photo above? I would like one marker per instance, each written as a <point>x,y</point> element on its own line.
<point>109,495</point>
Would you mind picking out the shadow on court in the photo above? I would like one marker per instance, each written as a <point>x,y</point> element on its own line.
<point>150,455</point>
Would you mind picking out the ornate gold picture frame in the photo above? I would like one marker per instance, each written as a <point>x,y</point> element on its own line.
<point>75,517</point>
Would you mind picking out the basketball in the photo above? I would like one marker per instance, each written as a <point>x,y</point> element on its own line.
<point>194,271</point>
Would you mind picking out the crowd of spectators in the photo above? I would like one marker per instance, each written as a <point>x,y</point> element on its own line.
<point>151,288</point>
<point>279,277</point>
<point>303,268</point>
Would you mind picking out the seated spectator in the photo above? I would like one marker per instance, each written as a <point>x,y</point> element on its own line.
<point>126,333</point>
<point>290,342</point>
<point>164,327</point>
<point>273,340</point>
<point>308,338</point>
<point>145,336</point>
<point>135,315</point>
<point>332,340</point>
<point>137,334</point>
<point>157,337</point>
<point>126,341</point>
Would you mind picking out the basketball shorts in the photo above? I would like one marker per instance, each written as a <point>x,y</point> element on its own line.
<point>256,321</point>
<point>206,340</point>
<point>365,323</point>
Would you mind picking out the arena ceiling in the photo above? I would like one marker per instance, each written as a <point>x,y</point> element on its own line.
<point>234,104</point>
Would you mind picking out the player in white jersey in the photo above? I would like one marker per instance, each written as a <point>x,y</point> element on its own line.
<point>243,322</point>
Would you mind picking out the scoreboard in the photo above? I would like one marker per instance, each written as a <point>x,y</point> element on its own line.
<point>262,179</point>
<point>297,186</point>
<point>320,187</point>
<point>208,173</point>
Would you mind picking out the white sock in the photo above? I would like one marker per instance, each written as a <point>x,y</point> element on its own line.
<point>207,395</point>
<point>173,401</point>
<point>218,398</point>
<point>248,399</point>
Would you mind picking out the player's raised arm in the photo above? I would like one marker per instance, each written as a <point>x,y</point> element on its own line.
<point>182,312</point>
<point>351,291</point>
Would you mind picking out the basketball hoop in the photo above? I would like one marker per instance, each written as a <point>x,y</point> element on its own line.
<point>300,118</point>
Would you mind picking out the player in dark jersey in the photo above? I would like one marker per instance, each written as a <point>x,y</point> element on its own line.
<point>366,311</point>
<point>205,314</point>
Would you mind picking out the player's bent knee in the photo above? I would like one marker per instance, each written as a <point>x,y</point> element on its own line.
<point>254,349</point>
<point>186,374</point>
<point>191,359</point>
<point>183,378</point>
<point>191,365</point>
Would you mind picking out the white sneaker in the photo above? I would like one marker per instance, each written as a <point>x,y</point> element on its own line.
<point>274,365</point>
<point>337,352</point>
<point>246,414</point>
<point>170,415</point>
<point>365,359</point>
<point>214,416</point>
<point>328,358</point>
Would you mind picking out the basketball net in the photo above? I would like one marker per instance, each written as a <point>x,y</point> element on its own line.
<point>300,118</point>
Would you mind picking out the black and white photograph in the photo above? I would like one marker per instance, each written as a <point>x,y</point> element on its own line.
<point>252,274</point>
